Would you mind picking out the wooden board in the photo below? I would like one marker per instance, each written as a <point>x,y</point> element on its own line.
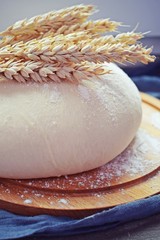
<point>133,175</point>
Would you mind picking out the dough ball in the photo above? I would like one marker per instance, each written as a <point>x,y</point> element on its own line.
<point>55,129</point>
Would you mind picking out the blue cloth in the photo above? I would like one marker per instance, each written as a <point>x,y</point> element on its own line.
<point>148,84</point>
<point>14,226</point>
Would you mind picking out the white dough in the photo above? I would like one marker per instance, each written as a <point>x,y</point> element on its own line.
<point>54,129</point>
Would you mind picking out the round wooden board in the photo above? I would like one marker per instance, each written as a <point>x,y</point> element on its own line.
<point>133,175</point>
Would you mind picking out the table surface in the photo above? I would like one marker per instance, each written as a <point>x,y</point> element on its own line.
<point>145,229</point>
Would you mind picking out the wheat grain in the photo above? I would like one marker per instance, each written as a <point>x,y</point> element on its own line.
<point>6,40</point>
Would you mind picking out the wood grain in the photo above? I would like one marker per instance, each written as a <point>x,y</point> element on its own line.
<point>66,196</point>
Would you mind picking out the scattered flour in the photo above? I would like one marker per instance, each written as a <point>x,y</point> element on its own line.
<point>135,160</point>
<point>64,201</point>
<point>155,119</point>
<point>38,195</point>
<point>7,190</point>
<point>27,201</point>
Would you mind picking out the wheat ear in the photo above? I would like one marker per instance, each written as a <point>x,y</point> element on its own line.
<point>23,71</point>
<point>34,27</point>
<point>91,27</point>
<point>63,49</point>
<point>55,19</point>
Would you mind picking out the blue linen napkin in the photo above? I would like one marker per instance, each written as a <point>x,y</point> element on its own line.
<point>14,226</point>
<point>148,84</point>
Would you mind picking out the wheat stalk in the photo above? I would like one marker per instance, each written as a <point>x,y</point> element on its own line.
<point>23,71</point>
<point>34,27</point>
<point>8,41</point>
<point>63,49</point>
<point>60,46</point>
<point>19,48</point>
<point>129,38</point>
<point>39,71</point>
<point>52,20</point>
<point>81,38</point>
<point>90,27</point>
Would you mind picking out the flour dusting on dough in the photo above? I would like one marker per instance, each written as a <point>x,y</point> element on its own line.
<point>55,95</point>
<point>84,92</point>
<point>108,100</point>
<point>155,118</point>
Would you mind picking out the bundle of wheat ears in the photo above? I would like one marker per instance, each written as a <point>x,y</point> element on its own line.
<point>62,46</point>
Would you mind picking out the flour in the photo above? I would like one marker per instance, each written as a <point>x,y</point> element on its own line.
<point>55,95</point>
<point>84,92</point>
<point>64,201</point>
<point>155,119</point>
<point>28,201</point>
<point>133,161</point>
